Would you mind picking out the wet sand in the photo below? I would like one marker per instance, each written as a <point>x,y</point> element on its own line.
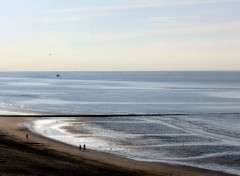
<point>38,155</point>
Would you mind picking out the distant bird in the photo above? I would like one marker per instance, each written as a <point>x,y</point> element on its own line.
<point>50,54</point>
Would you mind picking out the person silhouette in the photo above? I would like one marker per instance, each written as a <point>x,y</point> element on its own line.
<point>26,136</point>
<point>80,147</point>
<point>84,147</point>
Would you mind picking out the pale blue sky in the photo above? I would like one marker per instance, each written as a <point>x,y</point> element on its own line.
<point>119,35</point>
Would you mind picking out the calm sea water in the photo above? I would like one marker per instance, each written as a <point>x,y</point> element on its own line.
<point>120,92</point>
<point>205,134</point>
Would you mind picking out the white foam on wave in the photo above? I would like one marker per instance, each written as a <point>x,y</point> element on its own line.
<point>231,95</point>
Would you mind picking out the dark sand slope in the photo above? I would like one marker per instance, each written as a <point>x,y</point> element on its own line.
<point>42,156</point>
<point>34,159</point>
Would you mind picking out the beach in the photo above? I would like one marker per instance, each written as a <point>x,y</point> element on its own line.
<point>39,155</point>
<point>130,124</point>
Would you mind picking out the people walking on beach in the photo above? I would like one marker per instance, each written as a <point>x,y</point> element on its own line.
<point>84,147</point>
<point>80,147</point>
<point>26,136</point>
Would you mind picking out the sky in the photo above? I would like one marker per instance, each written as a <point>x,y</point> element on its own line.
<point>119,35</point>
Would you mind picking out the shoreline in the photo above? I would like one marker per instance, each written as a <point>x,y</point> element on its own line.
<point>109,163</point>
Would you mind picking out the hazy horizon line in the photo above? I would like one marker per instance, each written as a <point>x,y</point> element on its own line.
<point>121,71</point>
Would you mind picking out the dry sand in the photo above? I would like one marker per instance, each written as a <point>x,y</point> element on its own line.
<point>42,156</point>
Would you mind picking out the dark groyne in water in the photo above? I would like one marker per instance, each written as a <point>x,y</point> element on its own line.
<point>113,115</point>
<point>92,115</point>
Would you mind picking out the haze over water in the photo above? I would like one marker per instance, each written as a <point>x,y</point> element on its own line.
<point>205,133</point>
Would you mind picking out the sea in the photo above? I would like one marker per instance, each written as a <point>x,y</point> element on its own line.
<point>188,118</point>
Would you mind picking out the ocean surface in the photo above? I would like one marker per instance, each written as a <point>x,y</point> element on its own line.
<point>197,121</point>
